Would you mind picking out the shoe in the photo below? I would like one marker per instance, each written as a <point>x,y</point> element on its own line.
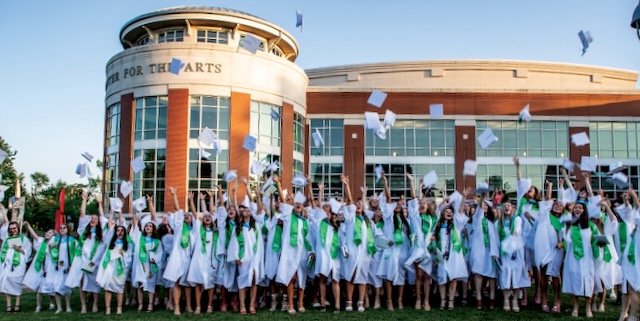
<point>127,302</point>
<point>442,304</point>
<point>156,301</point>
<point>376,303</point>
<point>390,305</point>
<point>150,308</point>
<point>418,305</point>
<point>479,304</point>
<point>107,311</point>
<point>555,309</point>
<point>545,308</point>
<point>613,296</point>
<point>400,305</point>
<point>252,311</point>
<point>450,307</point>
<point>426,306</point>
<point>139,307</point>
<point>52,306</point>
<point>69,310</point>
<point>292,311</point>
<point>210,309</point>
<point>119,310</point>
<point>589,314</point>
<point>360,307</point>
<point>223,307</point>
<point>492,304</point>
<point>601,308</point>
<point>83,309</point>
<point>94,309</point>
<point>506,306</point>
<point>37,309</point>
<point>197,311</point>
<point>515,307</point>
<point>16,309</point>
<point>316,304</point>
<point>349,307</point>
<point>574,313</point>
<point>301,310</point>
<point>243,311</point>
<point>58,311</point>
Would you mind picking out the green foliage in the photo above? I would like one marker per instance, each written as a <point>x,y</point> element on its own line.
<point>9,174</point>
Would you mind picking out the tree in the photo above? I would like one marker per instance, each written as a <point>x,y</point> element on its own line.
<point>40,180</point>
<point>9,173</point>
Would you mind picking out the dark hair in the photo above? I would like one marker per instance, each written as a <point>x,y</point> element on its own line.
<point>68,247</point>
<point>403,220</point>
<point>252,224</point>
<point>163,230</point>
<point>154,232</point>
<point>441,221</point>
<point>490,214</point>
<point>87,232</point>
<point>14,223</point>
<point>125,243</point>
<point>583,220</point>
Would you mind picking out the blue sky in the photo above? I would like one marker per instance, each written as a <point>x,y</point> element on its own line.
<point>54,52</point>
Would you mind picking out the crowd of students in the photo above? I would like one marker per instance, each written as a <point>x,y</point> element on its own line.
<point>274,250</point>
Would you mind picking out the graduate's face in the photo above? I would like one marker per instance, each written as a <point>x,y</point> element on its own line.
<point>298,207</point>
<point>583,193</point>
<point>448,214</point>
<point>49,234</point>
<point>207,219</point>
<point>423,206</point>
<point>289,200</point>
<point>148,228</point>
<point>333,218</point>
<point>531,192</point>
<point>120,231</point>
<point>557,207</point>
<point>188,218</point>
<point>374,202</point>
<point>231,212</point>
<point>246,213</point>
<point>467,207</point>
<point>165,220</point>
<point>398,209</point>
<point>377,214</point>
<point>485,207</point>
<point>13,229</point>
<point>64,230</point>
<point>578,209</point>
<point>94,221</point>
<point>327,209</point>
<point>358,206</point>
<point>507,208</point>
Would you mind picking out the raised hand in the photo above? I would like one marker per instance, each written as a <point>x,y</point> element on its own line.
<point>516,161</point>
<point>172,190</point>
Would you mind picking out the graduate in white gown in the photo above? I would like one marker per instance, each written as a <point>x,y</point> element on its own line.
<point>630,215</point>
<point>359,244</point>
<point>450,259</point>
<point>376,224</point>
<point>147,256</point>
<point>422,218</point>
<point>246,249</point>
<point>485,250</point>
<point>63,249</point>
<point>85,264</point>
<point>297,255</point>
<point>14,254</point>
<point>397,231</point>
<point>115,262</point>
<point>165,234</point>
<point>34,279</point>
<point>607,271</point>
<point>227,276</point>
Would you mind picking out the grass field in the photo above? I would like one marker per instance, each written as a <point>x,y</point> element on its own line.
<point>468,313</point>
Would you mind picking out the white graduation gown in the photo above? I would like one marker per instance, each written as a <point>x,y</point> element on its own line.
<point>356,266</point>
<point>58,274</point>
<point>142,272</point>
<point>453,267</point>
<point>547,238</point>
<point>252,267</point>
<point>76,274</point>
<point>180,258</point>
<point>325,264</point>
<point>392,267</point>
<point>33,279</point>
<point>11,277</point>
<point>108,276</point>
<point>480,255</point>
<point>578,274</point>
<point>419,251</point>
<point>293,259</point>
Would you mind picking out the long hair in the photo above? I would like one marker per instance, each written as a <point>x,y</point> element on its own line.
<point>403,220</point>
<point>252,224</point>
<point>68,246</point>
<point>441,221</point>
<point>87,232</point>
<point>154,231</point>
<point>163,230</point>
<point>125,243</point>
<point>490,214</point>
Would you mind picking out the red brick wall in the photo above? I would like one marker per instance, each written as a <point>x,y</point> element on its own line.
<point>176,174</point>
<point>127,110</point>
<point>576,153</point>
<point>465,150</point>
<point>240,118</point>
<point>286,151</point>
<point>353,166</point>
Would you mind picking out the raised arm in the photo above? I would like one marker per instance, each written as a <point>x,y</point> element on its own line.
<point>234,195</point>
<point>245,182</point>
<point>309,191</point>
<point>420,195</point>
<point>152,208</point>
<point>83,205</point>
<point>412,190</point>
<point>549,190</point>
<point>212,203</point>
<point>387,193</point>
<point>192,204</point>
<point>5,219</point>
<point>365,199</point>
<point>516,162</point>
<point>134,220</point>
<point>587,184</point>
<point>320,191</point>
<point>345,182</point>
<point>276,179</point>
<point>634,196</point>
<point>220,199</point>
<point>259,199</point>
<point>174,197</point>
<point>566,177</point>
<point>98,198</point>
<point>32,233</point>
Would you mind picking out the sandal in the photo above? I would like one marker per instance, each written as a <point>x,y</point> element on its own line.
<point>574,313</point>
<point>243,311</point>
<point>16,309</point>
<point>9,309</point>
<point>555,309</point>
<point>545,308</point>
<point>252,310</point>
<point>150,308</point>
<point>442,304</point>
<point>450,307</point>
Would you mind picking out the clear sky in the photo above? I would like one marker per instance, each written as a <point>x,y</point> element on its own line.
<point>54,52</point>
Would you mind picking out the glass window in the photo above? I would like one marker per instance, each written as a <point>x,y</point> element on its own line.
<point>332,131</point>
<point>212,36</point>
<point>298,132</point>
<point>264,127</point>
<point>142,40</point>
<point>613,139</point>
<point>171,35</point>
<point>413,138</point>
<point>534,139</point>
<point>209,111</point>
<point>113,125</point>
<point>111,175</point>
<point>398,183</point>
<point>504,176</point>
<point>298,167</point>
<point>151,181</point>
<point>329,174</point>
<point>151,118</point>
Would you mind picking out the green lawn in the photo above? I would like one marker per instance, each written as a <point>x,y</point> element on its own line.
<point>409,313</point>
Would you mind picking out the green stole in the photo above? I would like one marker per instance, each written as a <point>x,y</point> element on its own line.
<point>185,236</point>
<point>40,256</point>
<point>357,235</point>
<point>203,239</point>
<point>397,233</point>
<point>107,259</point>
<point>240,238</point>
<point>324,227</point>
<point>485,231</point>
<point>578,246</point>
<point>16,255</point>
<point>293,231</point>
<point>71,248</point>
<point>143,252</point>
<point>455,239</point>
<point>94,249</point>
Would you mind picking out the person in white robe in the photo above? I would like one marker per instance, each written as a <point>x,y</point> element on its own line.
<point>147,256</point>
<point>608,272</point>
<point>34,278</point>
<point>186,232</point>
<point>116,260</point>
<point>14,254</point>
<point>89,254</point>
<point>451,266</point>
<point>246,249</point>
<point>165,234</point>
<point>297,255</point>
<point>485,250</point>
<point>630,215</point>
<point>63,249</point>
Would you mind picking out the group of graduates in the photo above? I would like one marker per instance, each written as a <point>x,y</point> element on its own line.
<point>275,249</point>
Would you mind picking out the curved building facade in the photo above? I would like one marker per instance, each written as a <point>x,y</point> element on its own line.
<point>182,69</point>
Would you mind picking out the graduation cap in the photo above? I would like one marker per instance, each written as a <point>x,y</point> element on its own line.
<point>299,181</point>
<point>615,167</point>
<point>137,165</point>
<point>207,137</point>
<point>524,116</point>
<point>585,39</point>
<point>139,204</point>
<point>230,175</point>
<point>299,198</point>
<point>317,139</point>
<point>580,139</point>
<point>588,164</point>
<point>483,188</point>
<point>257,167</point>
<point>430,179</point>
<point>436,111</point>
<point>87,156</point>
<point>250,43</point>
<point>377,98</point>
<point>470,168</point>
<point>378,171</point>
<point>250,143</point>
<point>299,20</point>
<point>371,121</point>
<point>203,154</point>
<point>81,170</point>
<point>273,166</point>
<point>569,165</point>
<point>115,204</point>
<point>175,66</point>
<point>3,155</point>
<point>381,133</point>
<point>335,205</point>
<point>389,119</point>
<point>619,179</point>
<point>487,138</point>
<point>269,187</point>
<point>126,188</point>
